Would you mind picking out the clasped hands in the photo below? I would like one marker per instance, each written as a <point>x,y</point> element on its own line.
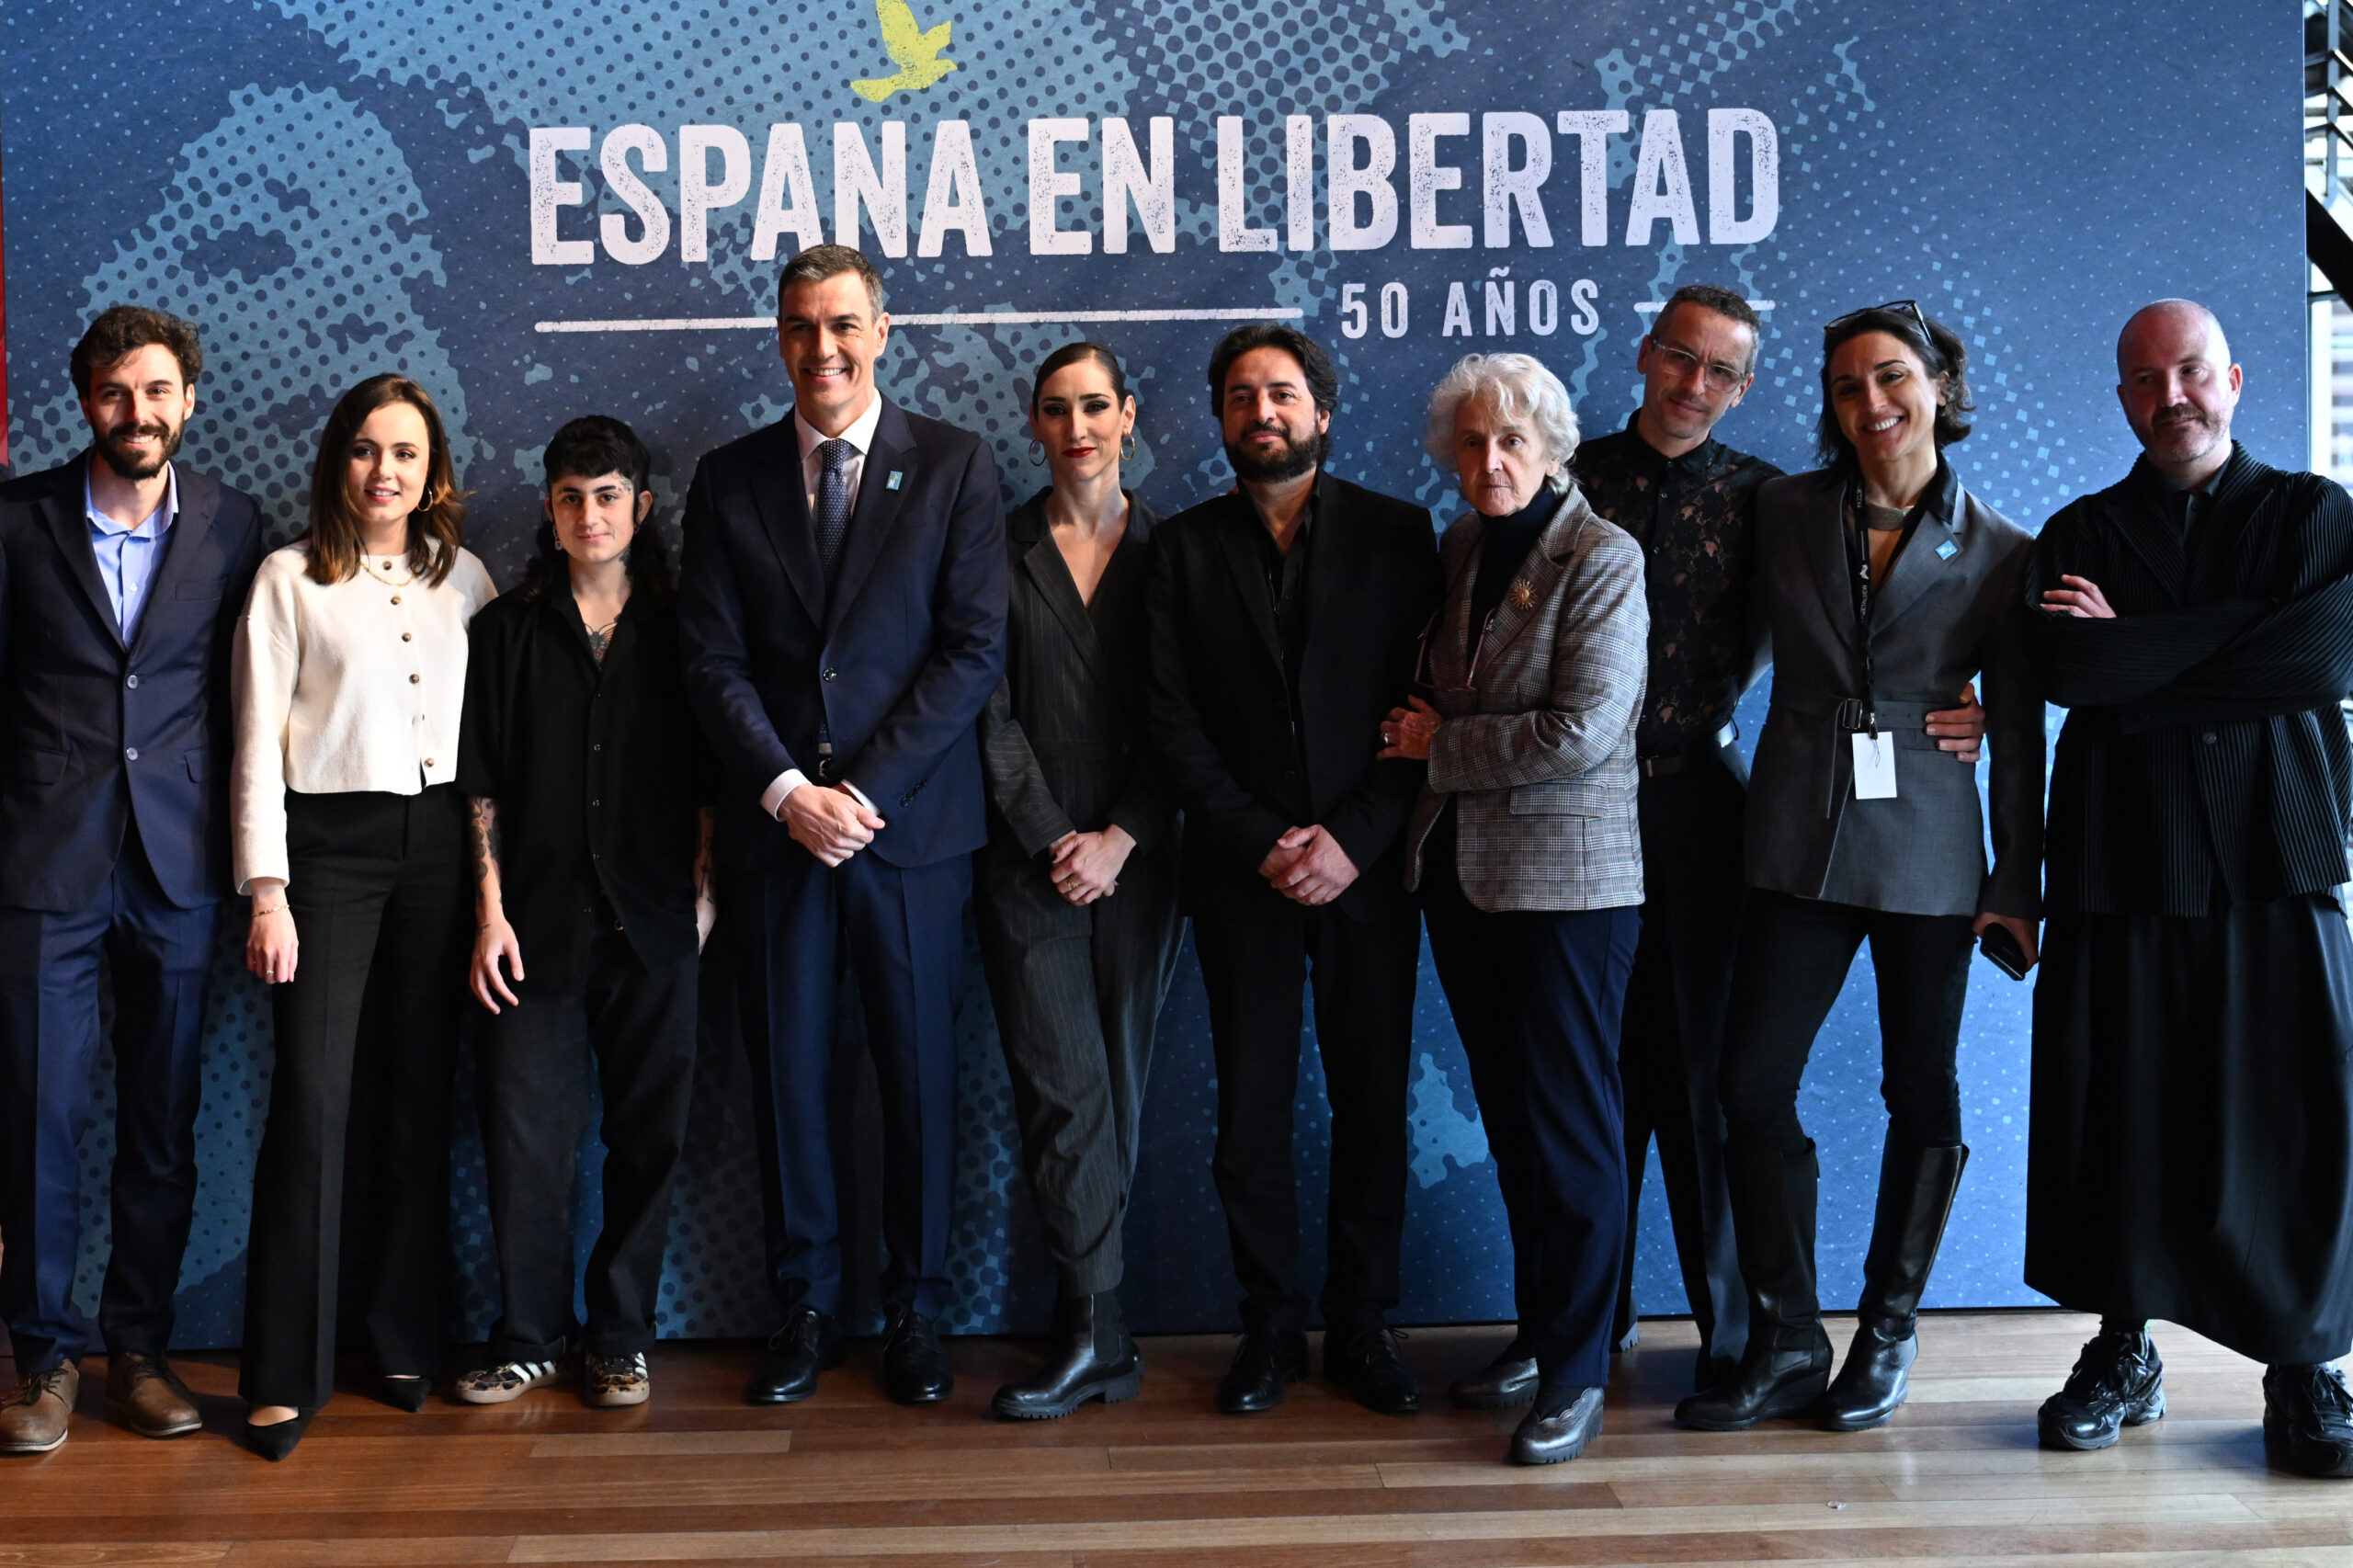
<point>1307,866</point>
<point>829,823</point>
<point>1086,864</point>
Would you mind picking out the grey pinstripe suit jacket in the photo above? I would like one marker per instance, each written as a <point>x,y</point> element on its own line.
<point>1539,754</point>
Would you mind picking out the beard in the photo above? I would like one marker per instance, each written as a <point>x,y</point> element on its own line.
<point>129,467</point>
<point>1288,462</point>
<point>2181,434</point>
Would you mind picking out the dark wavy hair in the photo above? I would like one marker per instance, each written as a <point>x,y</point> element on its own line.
<point>436,530</point>
<point>1940,350</point>
<point>1322,382</point>
<point>590,448</point>
<point>121,331</point>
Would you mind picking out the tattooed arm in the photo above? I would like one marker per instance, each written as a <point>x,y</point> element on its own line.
<point>494,938</point>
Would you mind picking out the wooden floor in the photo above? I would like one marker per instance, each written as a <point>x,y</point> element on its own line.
<point>1164,1482</point>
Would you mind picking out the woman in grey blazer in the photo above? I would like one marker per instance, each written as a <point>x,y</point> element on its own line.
<point>1525,850</point>
<point>1077,888</point>
<point>1887,590</point>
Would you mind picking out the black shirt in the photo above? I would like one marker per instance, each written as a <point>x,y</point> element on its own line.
<point>599,773</point>
<point>1287,589</point>
<point>1503,544</point>
<point>1694,518</point>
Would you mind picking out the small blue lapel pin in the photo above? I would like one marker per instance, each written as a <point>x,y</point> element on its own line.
<point>892,482</point>
<point>1945,552</point>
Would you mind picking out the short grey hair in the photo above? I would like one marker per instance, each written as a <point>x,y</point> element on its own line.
<point>1521,387</point>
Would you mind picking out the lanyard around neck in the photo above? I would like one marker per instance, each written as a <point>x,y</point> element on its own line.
<point>1858,537</point>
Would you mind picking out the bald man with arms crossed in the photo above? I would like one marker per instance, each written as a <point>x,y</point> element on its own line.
<point>2191,1151</point>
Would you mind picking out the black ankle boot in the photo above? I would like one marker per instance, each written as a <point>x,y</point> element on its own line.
<point>1787,1364</point>
<point>1915,1192</point>
<point>1092,1357</point>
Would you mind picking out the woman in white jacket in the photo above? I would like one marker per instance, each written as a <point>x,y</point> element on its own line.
<point>350,670</point>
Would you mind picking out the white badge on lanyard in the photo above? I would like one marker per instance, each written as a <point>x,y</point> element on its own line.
<point>1875,766</point>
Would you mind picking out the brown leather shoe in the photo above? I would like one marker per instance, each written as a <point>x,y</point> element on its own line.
<point>146,1395</point>
<point>34,1419</point>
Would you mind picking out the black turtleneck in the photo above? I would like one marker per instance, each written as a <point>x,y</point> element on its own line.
<point>1504,543</point>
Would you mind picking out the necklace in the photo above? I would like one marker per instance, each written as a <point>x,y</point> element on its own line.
<point>389,582</point>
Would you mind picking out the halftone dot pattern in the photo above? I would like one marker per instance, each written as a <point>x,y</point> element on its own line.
<point>295,236</point>
<point>336,131</point>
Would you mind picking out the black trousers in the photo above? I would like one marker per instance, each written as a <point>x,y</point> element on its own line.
<point>161,960</point>
<point>1077,994</point>
<point>1794,954</point>
<point>1362,972</point>
<point>640,1027</point>
<point>1537,998</point>
<point>902,929</point>
<point>377,887</point>
<point>1695,882</point>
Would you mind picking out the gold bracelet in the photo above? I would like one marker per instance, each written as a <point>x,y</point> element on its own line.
<point>273,909</point>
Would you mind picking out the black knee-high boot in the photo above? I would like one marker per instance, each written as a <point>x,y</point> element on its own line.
<point>1915,1192</point>
<point>1787,1364</point>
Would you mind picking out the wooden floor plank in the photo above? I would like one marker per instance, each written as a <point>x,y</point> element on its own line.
<point>1164,1481</point>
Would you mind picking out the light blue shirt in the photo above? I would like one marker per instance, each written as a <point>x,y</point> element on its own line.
<point>127,557</point>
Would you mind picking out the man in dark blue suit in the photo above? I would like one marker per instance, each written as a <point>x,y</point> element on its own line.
<point>121,575</point>
<point>842,608</point>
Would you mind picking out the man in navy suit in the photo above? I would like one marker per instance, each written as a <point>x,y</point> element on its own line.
<point>121,575</point>
<point>842,610</point>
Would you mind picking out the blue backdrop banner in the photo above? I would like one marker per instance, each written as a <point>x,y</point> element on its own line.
<point>542,208</point>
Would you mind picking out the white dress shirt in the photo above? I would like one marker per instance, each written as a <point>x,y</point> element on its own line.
<point>343,687</point>
<point>128,556</point>
<point>860,436</point>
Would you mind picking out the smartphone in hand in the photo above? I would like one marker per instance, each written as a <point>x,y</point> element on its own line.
<point>2002,950</point>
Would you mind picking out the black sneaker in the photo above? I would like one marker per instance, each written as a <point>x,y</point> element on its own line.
<point>2118,1382</point>
<point>2308,1421</point>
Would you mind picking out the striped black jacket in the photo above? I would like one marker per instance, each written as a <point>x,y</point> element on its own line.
<point>2205,762</point>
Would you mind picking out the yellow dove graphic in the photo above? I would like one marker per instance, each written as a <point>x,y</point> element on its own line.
<point>912,49</point>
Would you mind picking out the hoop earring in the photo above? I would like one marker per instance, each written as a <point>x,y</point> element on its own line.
<point>1128,447</point>
<point>1037,451</point>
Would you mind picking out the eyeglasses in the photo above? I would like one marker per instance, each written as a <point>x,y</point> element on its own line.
<point>1911,305</point>
<point>1713,375</point>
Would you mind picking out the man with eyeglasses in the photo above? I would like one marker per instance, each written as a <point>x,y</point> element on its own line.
<point>1689,500</point>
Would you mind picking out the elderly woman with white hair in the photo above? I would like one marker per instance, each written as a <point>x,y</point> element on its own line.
<point>1525,849</point>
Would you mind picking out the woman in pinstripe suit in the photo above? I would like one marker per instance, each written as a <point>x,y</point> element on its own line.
<point>1077,886</point>
<point>1528,856</point>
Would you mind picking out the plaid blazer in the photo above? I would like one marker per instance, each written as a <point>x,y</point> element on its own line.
<point>1540,751</point>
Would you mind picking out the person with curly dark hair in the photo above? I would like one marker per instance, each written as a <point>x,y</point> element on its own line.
<point>1888,588</point>
<point>588,785</point>
<point>120,573</point>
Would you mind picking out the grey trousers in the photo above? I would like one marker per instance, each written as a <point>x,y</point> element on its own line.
<point>1077,994</point>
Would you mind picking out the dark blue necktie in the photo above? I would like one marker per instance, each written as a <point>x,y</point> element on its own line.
<point>833,503</point>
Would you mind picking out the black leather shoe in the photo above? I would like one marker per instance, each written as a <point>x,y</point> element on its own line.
<point>808,1343</point>
<point>2119,1381</point>
<point>278,1439</point>
<point>914,1366</point>
<point>1557,1430</point>
<point>1786,1367</point>
<point>1269,1363</point>
<point>403,1393</point>
<point>2308,1421</point>
<point>1363,1360</point>
<point>1916,1184</point>
<point>1093,1358</point>
<point>1505,1383</point>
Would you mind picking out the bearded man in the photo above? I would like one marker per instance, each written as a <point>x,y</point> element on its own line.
<point>121,576</point>
<point>1284,619</point>
<point>2191,1154</point>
